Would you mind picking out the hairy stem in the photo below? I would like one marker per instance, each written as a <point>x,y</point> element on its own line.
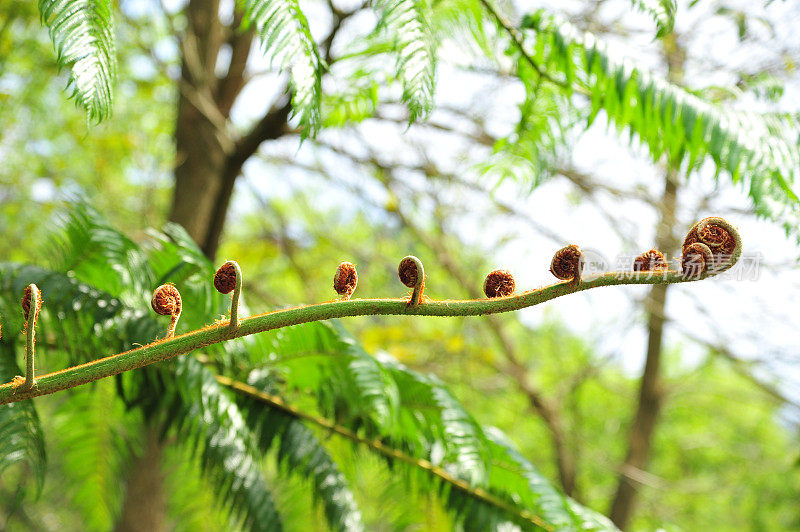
<point>237,291</point>
<point>170,347</point>
<point>278,403</point>
<point>30,338</point>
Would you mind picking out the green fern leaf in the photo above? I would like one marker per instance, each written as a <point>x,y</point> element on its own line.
<point>406,23</point>
<point>416,414</point>
<point>92,451</point>
<point>21,438</point>
<point>759,150</point>
<point>301,452</point>
<point>286,38</point>
<point>82,32</point>
<point>662,12</point>
<point>208,422</point>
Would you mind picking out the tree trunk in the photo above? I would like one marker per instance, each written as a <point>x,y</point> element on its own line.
<point>650,391</point>
<point>198,184</point>
<point>144,508</point>
<point>200,154</point>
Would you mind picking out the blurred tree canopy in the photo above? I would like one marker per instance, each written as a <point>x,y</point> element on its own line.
<point>510,108</point>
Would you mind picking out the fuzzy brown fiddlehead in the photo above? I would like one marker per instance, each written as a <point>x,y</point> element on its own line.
<point>412,274</point>
<point>567,263</point>
<point>649,261</point>
<point>227,279</point>
<point>345,280</point>
<point>499,283</point>
<point>720,237</point>
<point>167,302</point>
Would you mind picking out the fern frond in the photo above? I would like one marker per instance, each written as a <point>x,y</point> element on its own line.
<point>759,150</point>
<point>351,107</point>
<point>210,424</point>
<point>82,32</point>
<point>86,245</point>
<point>21,437</point>
<point>539,140</point>
<point>416,415</point>
<point>662,12</point>
<point>92,452</point>
<point>286,38</point>
<point>407,24</point>
<point>300,451</point>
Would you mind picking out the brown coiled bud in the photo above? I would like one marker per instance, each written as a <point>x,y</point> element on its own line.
<point>499,283</point>
<point>652,260</point>
<point>166,300</point>
<point>345,280</point>
<point>720,236</point>
<point>26,303</point>
<point>697,259</point>
<point>408,272</point>
<point>567,263</point>
<point>225,278</point>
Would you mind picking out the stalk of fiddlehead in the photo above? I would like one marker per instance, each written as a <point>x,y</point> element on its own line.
<point>567,264</point>
<point>167,302</point>
<point>345,280</point>
<point>31,305</point>
<point>412,274</point>
<point>229,278</point>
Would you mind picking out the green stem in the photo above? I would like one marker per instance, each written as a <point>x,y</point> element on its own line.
<point>237,291</point>
<point>30,339</point>
<point>171,347</point>
<point>519,42</point>
<point>419,286</point>
<point>278,403</point>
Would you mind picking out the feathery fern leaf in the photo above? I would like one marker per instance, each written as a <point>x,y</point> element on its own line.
<point>286,38</point>
<point>82,32</point>
<point>761,150</point>
<point>539,140</point>
<point>662,12</point>
<point>21,438</point>
<point>417,415</point>
<point>92,251</point>
<point>210,424</point>
<point>407,24</point>
<point>300,451</point>
<point>91,451</point>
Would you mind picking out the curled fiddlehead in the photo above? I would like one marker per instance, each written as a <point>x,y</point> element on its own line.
<point>412,274</point>
<point>227,279</point>
<point>649,261</point>
<point>697,260</point>
<point>499,283</point>
<point>167,302</point>
<point>567,263</point>
<point>345,280</point>
<point>721,239</point>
